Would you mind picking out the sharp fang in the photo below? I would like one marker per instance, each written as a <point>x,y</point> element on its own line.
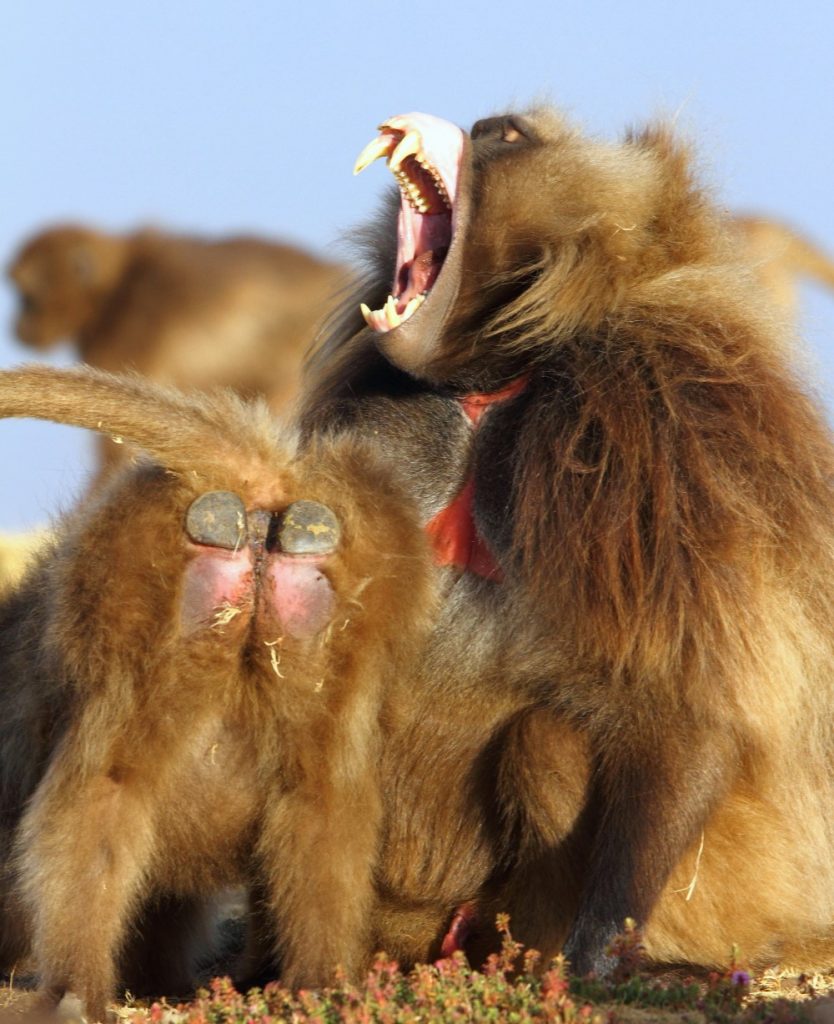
<point>367,313</point>
<point>410,144</point>
<point>380,146</point>
<point>391,315</point>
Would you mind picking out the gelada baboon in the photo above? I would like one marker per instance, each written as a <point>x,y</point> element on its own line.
<point>625,707</point>
<point>238,312</point>
<point>191,679</point>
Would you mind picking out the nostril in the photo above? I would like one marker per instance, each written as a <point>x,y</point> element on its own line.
<point>217,519</point>
<point>306,528</point>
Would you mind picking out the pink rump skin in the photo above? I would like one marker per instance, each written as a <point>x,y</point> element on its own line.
<point>298,594</point>
<point>294,594</point>
<point>214,580</point>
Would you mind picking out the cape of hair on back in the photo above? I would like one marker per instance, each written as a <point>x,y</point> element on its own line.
<point>669,464</point>
<point>666,458</point>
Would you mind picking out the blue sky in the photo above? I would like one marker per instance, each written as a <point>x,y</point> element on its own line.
<point>217,117</point>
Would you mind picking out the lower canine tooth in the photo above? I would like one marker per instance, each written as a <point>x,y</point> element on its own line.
<point>366,312</point>
<point>391,315</point>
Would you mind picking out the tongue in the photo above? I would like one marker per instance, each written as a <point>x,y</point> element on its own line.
<point>420,275</point>
<point>422,243</point>
<point>424,269</point>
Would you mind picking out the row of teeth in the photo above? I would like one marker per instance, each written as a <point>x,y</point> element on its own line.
<point>412,193</point>
<point>387,318</point>
<point>411,144</point>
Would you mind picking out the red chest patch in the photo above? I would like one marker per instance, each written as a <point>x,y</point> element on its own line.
<point>452,532</point>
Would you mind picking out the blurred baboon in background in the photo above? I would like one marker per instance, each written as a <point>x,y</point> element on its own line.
<point>237,312</point>
<point>782,257</point>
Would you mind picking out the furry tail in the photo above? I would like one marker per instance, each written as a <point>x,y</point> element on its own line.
<point>184,432</point>
<point>776,242</point>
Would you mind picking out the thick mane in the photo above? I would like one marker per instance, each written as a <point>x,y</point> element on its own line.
<point>669,462</point>
<point>666,457</point>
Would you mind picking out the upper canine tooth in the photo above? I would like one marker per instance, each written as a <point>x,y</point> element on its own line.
<point>367,313</point>
<point>410,144</point>
<point>380,146</point>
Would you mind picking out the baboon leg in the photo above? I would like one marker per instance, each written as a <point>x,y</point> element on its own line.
<point>642,820</point>
<point>317,855</point>
<point>542,788</point>
<point>86,844</point>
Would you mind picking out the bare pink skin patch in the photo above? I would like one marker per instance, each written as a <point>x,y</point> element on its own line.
<point>261,563</point>
<point>220,589</point>
<point>452,533</point>
<point>218,586</point>
<point>297,595</point>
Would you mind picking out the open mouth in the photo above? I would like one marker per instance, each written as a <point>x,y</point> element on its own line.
<point>424,154</point>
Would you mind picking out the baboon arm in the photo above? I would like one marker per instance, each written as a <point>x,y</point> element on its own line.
<point>647,804</point>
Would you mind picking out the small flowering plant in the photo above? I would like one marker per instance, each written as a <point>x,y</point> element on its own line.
<point>511,987</point>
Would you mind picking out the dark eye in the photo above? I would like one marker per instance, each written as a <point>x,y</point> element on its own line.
<point>509,128</point>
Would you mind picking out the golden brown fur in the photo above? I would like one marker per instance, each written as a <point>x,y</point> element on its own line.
<point>627,723</point>
<point>150,755</point>
<point>239,312</point>
<point>637,721</point>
